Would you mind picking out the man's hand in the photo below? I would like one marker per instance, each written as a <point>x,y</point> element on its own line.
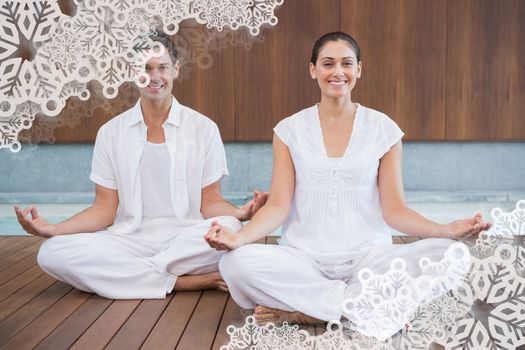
<point>466,229</point>
<point>222,238</point>
<point>36,225</point>
<point>247,211</point>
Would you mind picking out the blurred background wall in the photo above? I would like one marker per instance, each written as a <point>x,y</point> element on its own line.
<point>444,70</point>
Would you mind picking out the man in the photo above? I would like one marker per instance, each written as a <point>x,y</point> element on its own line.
<point>157,169</point>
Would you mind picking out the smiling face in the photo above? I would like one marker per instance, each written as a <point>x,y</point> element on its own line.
<point>336,69</point>
<point>162,71</point>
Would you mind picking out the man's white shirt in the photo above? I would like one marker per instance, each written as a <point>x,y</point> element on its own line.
<point>196,160</point>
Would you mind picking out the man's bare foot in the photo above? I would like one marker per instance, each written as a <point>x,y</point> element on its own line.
<point>263,315</point>
<point>212,280</point>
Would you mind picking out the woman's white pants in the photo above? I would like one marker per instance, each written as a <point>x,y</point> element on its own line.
<point>286,278</point>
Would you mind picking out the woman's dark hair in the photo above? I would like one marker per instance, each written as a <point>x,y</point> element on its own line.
<point>165,40</point>
<point>334,36</point>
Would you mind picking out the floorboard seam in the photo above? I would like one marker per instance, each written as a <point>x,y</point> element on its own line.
<point>189,319</point>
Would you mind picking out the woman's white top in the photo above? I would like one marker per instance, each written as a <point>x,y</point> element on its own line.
<point>336,210</point>
<point>155,181</point>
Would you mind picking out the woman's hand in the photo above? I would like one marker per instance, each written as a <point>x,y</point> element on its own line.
<point>36,225</point>
<point>466,229</point>
<point>222,238</point>
<point>247,211</point>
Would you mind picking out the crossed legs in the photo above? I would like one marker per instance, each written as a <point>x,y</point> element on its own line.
<point>142,265</point>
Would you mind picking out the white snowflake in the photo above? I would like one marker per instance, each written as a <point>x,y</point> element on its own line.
<point>64,48</point>
<point>496,294</point>
<point>106,41</point>
<point>485,311</point>
<point>430,323</point>
<point>388,301</point>
<point>290,337</point>
<point>442,312</point>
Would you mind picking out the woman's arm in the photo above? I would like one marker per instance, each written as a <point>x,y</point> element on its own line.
<point>271,215</point>
<point>401,218</point>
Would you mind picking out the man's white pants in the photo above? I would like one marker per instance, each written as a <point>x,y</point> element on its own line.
<point>143,264</point>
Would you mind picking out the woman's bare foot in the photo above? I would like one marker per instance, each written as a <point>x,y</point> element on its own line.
<point>212,280</point>
<point>263,315</point>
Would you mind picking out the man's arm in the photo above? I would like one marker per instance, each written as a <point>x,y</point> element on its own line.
<point>213,203</point>
<point>96,217</point>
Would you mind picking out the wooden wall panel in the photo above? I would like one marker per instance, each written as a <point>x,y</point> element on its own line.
<point>443,69</point>
<point>210,91</point>
<point>486,70</point>
<point>79,121</point>
<point>403,45</point>
<point>272,79</point>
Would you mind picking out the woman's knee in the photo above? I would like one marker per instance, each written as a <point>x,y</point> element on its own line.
<point>235,265</point>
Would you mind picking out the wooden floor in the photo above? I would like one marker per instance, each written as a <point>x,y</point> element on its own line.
<point>37,311</point>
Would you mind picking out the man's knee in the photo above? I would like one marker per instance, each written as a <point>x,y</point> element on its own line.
<point>229,221</point>
<point>50,257</point>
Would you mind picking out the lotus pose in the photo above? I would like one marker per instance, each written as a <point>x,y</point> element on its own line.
<point>157,169</point>
<point>336,187</point>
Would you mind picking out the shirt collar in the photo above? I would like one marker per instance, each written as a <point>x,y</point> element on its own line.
<point>173,115</point>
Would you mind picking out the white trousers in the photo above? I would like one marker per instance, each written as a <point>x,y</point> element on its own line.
<point>286,278</point>
<point>143,264</point>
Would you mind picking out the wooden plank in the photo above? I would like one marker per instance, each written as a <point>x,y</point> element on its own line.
<point>232,316</point>
<point>397,240</point>
<point>485,70</point>
<point>409,239</point>
<point>18,244</point>
<point>21,254</point>
<point>72,328</point>
<point>103,329</point>
<point>24,295</point>
<point>168,330</point>
<point>7,243</point>
<point>403,45</point>
<point>279,66</point>
<point>320,329</point>
<point>19,281</point>
<point>310,329</point>
<point>272,239</point>
<point>17,268</point>
<point>202,327</point>
<point>136,329</point>
<point>37,330</point>
<point>30,311</point>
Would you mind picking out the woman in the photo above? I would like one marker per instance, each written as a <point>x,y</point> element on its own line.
<point>336,185</point>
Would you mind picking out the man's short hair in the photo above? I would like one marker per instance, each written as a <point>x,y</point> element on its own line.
<point>165,40</point>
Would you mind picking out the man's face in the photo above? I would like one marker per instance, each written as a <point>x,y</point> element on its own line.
<point>162,71</point>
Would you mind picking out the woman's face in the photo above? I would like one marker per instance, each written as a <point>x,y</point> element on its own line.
<point>336,69</point>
